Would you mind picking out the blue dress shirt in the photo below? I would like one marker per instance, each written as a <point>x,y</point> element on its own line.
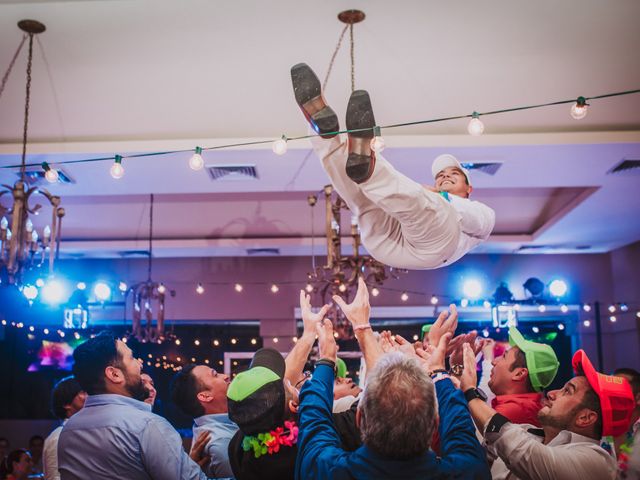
<point>222,431</point>
<point>115,436</point>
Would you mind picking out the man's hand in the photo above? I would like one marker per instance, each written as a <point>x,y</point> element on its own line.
<point>446,323</point>
<point>487,349</point>
<point>197,452</point>
<point>327,347</point>
<point>433,358</point>
<point>470,338</point>
<point>469,377</point>
<point>310,319</point>
<point>357,311</point>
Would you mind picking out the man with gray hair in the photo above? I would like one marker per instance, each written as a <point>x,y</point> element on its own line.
<point>397,414</point>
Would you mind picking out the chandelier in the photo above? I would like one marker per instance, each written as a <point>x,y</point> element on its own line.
<point>148,296</point>
<point>21,247</point>
<point>340,274</point>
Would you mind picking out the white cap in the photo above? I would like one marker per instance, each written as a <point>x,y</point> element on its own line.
<point>447,160</point>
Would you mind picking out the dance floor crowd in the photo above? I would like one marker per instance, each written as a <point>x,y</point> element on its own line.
<point>420,411</point>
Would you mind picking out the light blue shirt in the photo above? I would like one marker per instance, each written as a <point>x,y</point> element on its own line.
<point>115,436</point>
<point>222,431</point>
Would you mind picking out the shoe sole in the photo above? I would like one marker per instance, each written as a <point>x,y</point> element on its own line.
<point>308,93</point>
<point>361,160</point>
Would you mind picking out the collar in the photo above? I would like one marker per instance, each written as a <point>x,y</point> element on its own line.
<point>116,399</point>
<point>565,437</point>
<point>212,418</point>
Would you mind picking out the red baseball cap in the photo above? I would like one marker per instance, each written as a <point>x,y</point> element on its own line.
<point>616,399</point>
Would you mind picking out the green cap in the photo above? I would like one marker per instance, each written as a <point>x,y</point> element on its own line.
<point>341,368</point>
<point>542,362</point>
<point>425,329</point>
<point>250,381</point>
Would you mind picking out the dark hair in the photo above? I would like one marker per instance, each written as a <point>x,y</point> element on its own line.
<point>592,402</point>
<point>63,394</point>
<point>521,362</point>
<point>184,390</point>
<point>6,465</point>
<point>36,437</point>
<point>634,378</point>
<point>90,360</point>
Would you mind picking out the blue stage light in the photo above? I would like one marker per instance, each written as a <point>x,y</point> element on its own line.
<point>102,291</point>
<point>30,292</point>
<point>53,292</point>
<point>558,288</point>
<point>472,288</point>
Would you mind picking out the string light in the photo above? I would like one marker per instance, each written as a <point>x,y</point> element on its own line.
<point>613,319</point>
<point>206,360</point>
<point>196,162</point>
<point>377,142</point>
<point>434,300</point>
<point>416,338</point>
<point>375,292</point>
<point>216,343</point>
<point>275,339</point>
<point>117,170</point>
<point>579,109</point>
<point>196,342</point>
<point>561,326</point>
<point>587,323</point>
<point>4,323</point>
<point>486,304</point>
<point>162,288</point>
<point>32,329</point>
<point>542,308</point>
<point>624,307</point>
<point>564,308</point>
<point>193,359</point>
<point>253,341</point>
<point>638,314</point>
<point>234,341</point>
<point>404,297</point>
<point>178,359</point>
<point>309,288</point>
<point>586,307</point>
<point>279,146</point>
<point>178,341</point>
<point>199,289</point>
<point>50,174</point>
<point>122,286</point>
<point>612,309</point>
<point>475,127</point>
<point>535,329</point>
<point>336,334</point>
<point>81,286</point>
<point>238,287</point>
<point>45,331</point>
<point>124,339</point>
<point>464,303</point>
<point>274,288</point>
<point>342,287</point>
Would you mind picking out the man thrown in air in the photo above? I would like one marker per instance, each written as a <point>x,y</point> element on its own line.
<point>403,224</point>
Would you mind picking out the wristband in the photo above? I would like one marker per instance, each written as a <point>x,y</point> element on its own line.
<point>436,371</point>
<point>328,363</point>
<point>361,327</point>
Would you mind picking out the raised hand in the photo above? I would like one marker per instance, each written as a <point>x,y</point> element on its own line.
<point>469,377</point>
<point>446,323</point>
<point>433,357</point>
<point>359,309</point>
<point>327,347</point>
<point>310,319</point>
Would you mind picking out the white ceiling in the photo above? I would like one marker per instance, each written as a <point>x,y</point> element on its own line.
<point>123,76</point>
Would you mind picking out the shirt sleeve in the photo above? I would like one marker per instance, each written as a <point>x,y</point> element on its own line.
<point>50,458</point>
<point>477,220</point>
<point>529,459</point>
<point>163,455</point>
<point>219,466</point>
<point>462,454</point>
<point>318,441</point>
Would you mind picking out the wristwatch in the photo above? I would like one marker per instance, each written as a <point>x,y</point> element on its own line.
<point>472,393</point>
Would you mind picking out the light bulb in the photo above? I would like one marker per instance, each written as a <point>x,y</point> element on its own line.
<point>375,292</point>
<point>475,127</point>
<point>535,329</point>
<point>34,237</point>
<point>586,307</point>
<point>342,287</point>
<point>238,287</point>
<point>624,307</point>
<point>564,308</point>
<point>234,341</point>
<point>377,144</point>
<point>51,175</point>
<point>579,109</point>
<point>542,309</point>
<point>587,323</point>
<point>199,289</point>
<point>178,341</point>
<point>29,225</point>
<point>464,303</point>
<point>253,341</point>
<point>122,286</point>
<point>613,319</point>
<point>275,339</point>
<point>279,147</point>
<point>216,343</point>
<point>309,288</point>
<point>486,304</point>
<point>274,288</point>
<point>612,308</point>
<point>434,300</point>
<point>47,232</point>
<point>196,342</point>
<point>561,326</point>
<point>404,297</point>
<point>162,288</point>
<point>117,170</point>
<point>196,162</point>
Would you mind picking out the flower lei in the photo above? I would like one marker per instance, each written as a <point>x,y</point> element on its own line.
<point>269,443</point>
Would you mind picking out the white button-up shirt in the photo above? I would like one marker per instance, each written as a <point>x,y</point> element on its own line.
<point>520,455</point>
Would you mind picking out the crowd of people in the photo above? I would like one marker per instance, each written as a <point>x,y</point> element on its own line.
<point>419,411</point>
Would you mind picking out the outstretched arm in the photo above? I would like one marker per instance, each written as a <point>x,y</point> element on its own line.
<point>477,219</point>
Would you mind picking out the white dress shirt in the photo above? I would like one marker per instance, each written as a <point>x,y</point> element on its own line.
<point>50,454</point>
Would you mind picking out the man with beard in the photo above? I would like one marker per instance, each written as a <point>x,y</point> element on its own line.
<point>115,435</point>
<point>573,420</point>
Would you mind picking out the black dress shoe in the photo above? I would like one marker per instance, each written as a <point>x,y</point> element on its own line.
<point>308,93</point>
<point>362,159</point>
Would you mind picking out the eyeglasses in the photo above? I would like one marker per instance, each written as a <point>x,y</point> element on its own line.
<point>307,376</point>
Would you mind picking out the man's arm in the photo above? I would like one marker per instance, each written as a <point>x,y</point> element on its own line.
<point>318,441</point>
<point>300,352</point>
<point>163,455</point>
<point>358,314</point>
<point>477,220</point>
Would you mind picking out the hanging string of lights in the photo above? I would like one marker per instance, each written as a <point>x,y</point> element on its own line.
<point>579,108</point>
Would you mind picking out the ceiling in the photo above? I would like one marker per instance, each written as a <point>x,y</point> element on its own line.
<point>137,76</point>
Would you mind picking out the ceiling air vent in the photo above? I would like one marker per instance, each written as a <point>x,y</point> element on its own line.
<point>489,168</point>
<point>233,172</point>
<point>626,167</point>
<point>36,177</point>
<point>253,252</point>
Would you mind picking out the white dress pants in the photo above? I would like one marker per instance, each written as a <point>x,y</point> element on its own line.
<point>403,225</point>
